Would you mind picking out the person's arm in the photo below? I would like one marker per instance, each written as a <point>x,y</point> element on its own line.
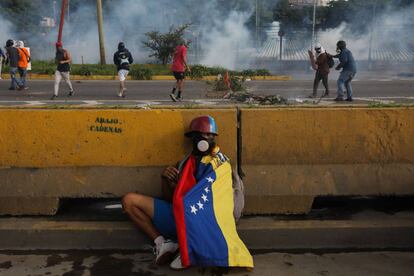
<point>68,58</point>
<point>185,60</point>
<point>343,59</point>
<point>169,179</point>
<point>130,58</point>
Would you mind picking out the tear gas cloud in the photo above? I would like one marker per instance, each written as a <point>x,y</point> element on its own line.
<point>391,32</point>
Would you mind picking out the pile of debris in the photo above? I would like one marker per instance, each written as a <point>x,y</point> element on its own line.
<point>249,98</point>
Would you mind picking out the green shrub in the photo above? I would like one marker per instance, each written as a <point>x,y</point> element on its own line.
<point>141,73</point>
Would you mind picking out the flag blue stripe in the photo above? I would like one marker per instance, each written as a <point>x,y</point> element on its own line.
<point>202,227</point>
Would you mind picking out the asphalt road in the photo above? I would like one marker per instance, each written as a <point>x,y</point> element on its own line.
<point>388,90</point>
<point>133,263</point>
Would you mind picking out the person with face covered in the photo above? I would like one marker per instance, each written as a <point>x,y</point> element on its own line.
<point>348,66</point>
<point>154,216</point>
<point>321,65</point>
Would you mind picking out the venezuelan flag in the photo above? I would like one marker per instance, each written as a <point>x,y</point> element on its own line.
<point>203,210</point>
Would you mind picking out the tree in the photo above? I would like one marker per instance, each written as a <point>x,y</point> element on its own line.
<point>164,44</point>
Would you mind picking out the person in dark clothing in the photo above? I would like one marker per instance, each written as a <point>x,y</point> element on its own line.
<point>12,58</point>
<point>320,64</point>
<point>2,59</point>
<point>122,60</point>
<point>63,60</point>
<point>348,66</point>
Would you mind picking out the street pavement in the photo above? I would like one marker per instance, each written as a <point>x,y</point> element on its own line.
<point>132,263</point>
<point>367,90</point>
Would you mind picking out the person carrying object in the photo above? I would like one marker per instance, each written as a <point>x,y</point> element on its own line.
<point>23,63</point>
<point>63,60</point>
<point>320,63</point>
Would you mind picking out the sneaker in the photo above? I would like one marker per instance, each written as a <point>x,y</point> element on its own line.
<point>53,97</point>
<point>172,96</point>
<point>12,88</point>
<point>71,93</point>
<point>176,264</point>
<point>312,96</point>
<point>349,99</point>
<point>165,252</point>
<point>120,94</point>
<point>339,99</point>
<point>326,94</point>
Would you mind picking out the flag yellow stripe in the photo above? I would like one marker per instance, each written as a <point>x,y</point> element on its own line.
<point>223,205</point>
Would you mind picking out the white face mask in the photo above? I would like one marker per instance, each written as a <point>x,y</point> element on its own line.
<point>203,146</point>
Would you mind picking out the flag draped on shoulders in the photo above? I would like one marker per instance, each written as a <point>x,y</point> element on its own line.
<point>203,210</point>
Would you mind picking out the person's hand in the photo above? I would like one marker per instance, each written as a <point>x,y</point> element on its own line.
<point>170,174</point>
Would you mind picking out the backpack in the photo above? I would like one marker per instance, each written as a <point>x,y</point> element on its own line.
<point>123,58</point>
<point>331,61</point>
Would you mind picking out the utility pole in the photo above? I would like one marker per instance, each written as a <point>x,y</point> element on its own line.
<point>62,20</point>
<point>101,33</point>
<point>374,11</point>
<point>313,24</point>
<point>257,25</point>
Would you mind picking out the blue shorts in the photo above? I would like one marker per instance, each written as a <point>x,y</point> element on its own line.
<point>164,219</point>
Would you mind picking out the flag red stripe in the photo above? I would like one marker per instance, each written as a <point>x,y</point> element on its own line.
<point>186,182</point>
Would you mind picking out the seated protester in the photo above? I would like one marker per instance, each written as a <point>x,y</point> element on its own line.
<point>206,232</point>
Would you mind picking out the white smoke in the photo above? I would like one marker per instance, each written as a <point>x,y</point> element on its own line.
<point>228,43</point>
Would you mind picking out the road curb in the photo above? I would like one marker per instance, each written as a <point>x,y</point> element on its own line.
<point>259,233</point>
<point>154,78</point>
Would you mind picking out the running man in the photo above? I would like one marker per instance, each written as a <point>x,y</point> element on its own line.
<point>179,67</point>
<point>122,60</point>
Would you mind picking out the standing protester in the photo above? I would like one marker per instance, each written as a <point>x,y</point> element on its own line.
<point>178,67</point>
<point>63,60</point>
<point>122,60</point>
<point>348,66</point>
<point>2,59</point>
<point>12,58</point>
<point>23,63</point>
<point>321,65</point>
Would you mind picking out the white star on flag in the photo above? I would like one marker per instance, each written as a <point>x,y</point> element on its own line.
<point>207,190</point>
<point>210,180</point>
<point>193,209</point>
<point>204,197</point>
<point>200,205</point>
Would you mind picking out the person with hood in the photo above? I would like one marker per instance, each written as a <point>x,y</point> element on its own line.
<point>2,59</point>
<point>348,66</point>
<point>23,63</point>
<point>12,58</point>
<point>321,65</point>
<point>63,60</point>
<point>122,60</point>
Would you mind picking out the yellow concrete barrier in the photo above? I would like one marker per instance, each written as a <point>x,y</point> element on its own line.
<point>304,153</point>
<point>53,154</point>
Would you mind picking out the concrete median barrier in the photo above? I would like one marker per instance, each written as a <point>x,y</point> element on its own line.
<point>53,154</point>
<point>289,156</point>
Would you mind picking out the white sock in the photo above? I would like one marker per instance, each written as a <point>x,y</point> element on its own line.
<point>159,240</point>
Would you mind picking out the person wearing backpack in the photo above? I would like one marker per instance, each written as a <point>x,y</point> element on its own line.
<point>23,63</point>
<point>321,63</point>
<point>122,60</point>
<point>156,217</point>
<point>63,60</point>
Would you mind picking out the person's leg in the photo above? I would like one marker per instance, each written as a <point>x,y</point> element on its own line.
<point>14,82</point>
<point>180,88</point>
<point>325,84</point>
<point>348,86</point>
<point>140,209</point>
<point>58,78</point>
<point>316,82</point>
<point>122,77</point>
<point>23,73</point>
<point>1,65</point>
<point>341,85</point>
<point>66,77</point>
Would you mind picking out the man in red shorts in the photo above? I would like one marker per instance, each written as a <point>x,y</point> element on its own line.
<point>179,67</point>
